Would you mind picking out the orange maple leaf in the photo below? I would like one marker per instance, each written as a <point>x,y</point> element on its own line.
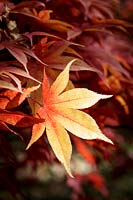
<point>10,99</point>
<point>60,114</point>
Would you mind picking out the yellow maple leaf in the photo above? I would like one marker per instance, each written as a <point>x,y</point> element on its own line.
<point>60,114</point>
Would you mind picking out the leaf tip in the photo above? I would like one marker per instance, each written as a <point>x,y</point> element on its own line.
<point>28,146</point>
<point>106,139</point>
<point>70,174</point>
<point>68,171</point>
<point>70,63</point>
<point>105,96</point>
<point>30,143</point>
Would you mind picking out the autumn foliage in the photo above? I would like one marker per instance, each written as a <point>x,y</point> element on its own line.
<point>65,83</point>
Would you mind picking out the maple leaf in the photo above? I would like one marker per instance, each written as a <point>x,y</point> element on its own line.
<point>10,99</point>
<point>8,71</point>
<point>60,114</point>
<point>17,119</point>
<point>19,52</point>
<point>44,16</point>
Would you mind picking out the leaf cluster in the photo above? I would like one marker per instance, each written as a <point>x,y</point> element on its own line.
<point>53,56</point>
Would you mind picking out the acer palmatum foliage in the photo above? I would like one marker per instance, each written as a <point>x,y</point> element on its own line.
<point>37,41</point>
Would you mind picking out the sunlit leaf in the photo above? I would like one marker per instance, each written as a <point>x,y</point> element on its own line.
<point>58,116</point>
<point>60,143</point>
